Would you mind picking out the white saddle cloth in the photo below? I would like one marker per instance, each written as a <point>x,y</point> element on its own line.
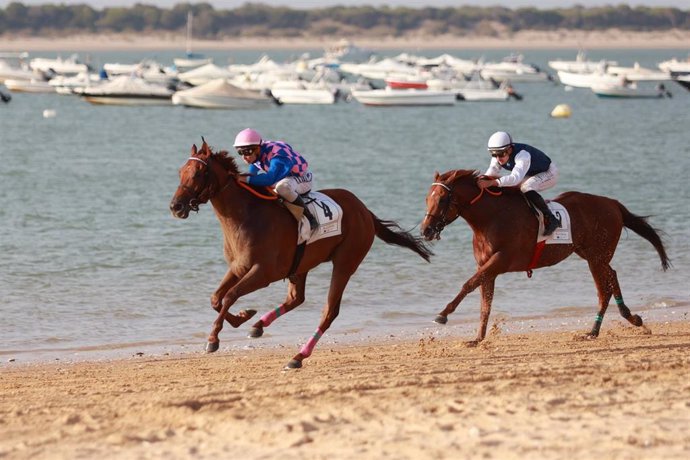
<point>327,212</point>
<point>562,235</point>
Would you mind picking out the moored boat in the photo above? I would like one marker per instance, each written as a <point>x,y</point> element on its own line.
<point>629,90</point>
<point>128,91</point>
<point>219,94</point>
<point>404,97</point>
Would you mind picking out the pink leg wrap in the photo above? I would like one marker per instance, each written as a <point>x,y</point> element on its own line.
<point>270,316</point>
<point>311,343</point>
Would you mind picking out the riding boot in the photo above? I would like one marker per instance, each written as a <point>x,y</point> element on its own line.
<point>313,223</point>
<point>551,222</point>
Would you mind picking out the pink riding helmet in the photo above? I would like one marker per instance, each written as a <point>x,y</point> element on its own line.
<point>247,137</point>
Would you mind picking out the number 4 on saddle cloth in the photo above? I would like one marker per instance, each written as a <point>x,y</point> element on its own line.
<point>561,235</point>
<point>327,212</point>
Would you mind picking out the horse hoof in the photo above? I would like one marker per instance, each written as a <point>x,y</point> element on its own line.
<point>440,319</point>
<point>212,346</point>
<point>293,364</point>
<point>636,320</point>
<point>256,332</point>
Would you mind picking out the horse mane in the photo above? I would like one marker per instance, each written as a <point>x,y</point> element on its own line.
<point>457,174</point>
<point>227,161</point>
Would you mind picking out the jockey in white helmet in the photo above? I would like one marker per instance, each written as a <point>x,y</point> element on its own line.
<point>530,169</point>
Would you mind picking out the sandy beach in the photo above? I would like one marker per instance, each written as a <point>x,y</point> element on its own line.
<point>549,395</point>
<point>559,39</point>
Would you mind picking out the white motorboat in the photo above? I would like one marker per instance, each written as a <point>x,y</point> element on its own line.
<point>301,92</point>
<point>60,66</point>
<point>676,66</point>
<point>204,74</point>
<point>629,90</point>
<point>638,73</point>
<point>580,65</point>
<point>125,90</point>
<point>476,93</point>
<point>513,69</point>
<point>388,97</point>
<point>586,79</point>
<point>29,86</point>
<point>219,94</point>
<point>67,85</point>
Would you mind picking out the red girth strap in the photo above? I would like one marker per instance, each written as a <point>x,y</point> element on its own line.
<point>538,248</point>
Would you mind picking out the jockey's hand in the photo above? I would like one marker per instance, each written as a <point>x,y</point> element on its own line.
<point>485,183</point>
<point>243,178</point>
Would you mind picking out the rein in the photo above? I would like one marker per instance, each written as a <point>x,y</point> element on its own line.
<point>270,196</point>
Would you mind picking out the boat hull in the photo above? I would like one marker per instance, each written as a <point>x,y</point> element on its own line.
<point>125,99</point>
<point>404,97</point>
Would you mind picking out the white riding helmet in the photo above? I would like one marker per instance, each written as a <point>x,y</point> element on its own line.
<point>499,140</point>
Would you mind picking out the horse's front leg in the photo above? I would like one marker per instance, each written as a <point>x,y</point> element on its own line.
<point>486,289</point>
<point>295,298</point>
<point>229,280</point>
<point>254,279</point>
<point>488,271</point>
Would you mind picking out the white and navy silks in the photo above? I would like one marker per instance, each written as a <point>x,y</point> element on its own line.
<point>529,167</point>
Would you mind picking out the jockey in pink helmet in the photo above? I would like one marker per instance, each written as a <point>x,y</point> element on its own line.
<point>283,168</point>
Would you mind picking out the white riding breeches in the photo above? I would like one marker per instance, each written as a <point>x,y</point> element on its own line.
<point>293,186</point>
<point>541,181</point>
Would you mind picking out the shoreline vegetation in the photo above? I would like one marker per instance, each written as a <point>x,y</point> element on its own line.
<point>547,395</point>
<point>257,26</point>
<point>518,41</point>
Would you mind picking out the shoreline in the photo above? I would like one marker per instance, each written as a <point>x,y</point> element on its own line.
<point>461,328</point>
<point>523,40</point>
<point>546,395</point>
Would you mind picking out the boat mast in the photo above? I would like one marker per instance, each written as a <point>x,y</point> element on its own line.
<point>190,18</point>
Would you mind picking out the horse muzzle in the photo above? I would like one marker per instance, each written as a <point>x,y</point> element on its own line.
<point>432,232</point>
<point>180,209</point>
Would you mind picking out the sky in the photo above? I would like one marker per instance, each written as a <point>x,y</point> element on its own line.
<point>306,4</point>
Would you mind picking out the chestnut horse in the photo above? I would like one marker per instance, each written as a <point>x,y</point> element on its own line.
<point>260,242</point>
<point>505,234</point>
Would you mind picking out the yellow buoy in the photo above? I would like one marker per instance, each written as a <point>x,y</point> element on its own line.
<point>561,111</point>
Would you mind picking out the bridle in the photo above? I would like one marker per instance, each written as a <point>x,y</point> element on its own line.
<point>445,204</point>
<point>206,192</point>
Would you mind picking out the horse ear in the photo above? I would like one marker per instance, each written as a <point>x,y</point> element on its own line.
<point>436,176</point>
<point>203,141</point>
<point>193,149</point>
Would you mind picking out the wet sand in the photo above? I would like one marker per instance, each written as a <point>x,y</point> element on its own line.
<point>549,395</point>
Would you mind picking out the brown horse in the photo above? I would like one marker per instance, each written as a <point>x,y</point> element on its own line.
<point>260,242</point>
<point>505,234</point>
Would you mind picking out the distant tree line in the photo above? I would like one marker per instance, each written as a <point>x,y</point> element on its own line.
<point>254,19</point>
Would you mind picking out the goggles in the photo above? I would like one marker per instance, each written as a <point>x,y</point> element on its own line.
<point>245,151</point>
<point>499,153</point>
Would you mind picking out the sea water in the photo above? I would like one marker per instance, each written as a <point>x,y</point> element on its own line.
<point>92,264</point>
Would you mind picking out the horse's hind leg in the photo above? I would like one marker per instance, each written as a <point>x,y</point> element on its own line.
<point>602,279</point>
<point>295,298</point>
<point>618,297</point>
<point>339,279</point>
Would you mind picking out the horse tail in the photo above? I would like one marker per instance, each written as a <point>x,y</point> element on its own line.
<point>391,233</point>
<point>639,225</point>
